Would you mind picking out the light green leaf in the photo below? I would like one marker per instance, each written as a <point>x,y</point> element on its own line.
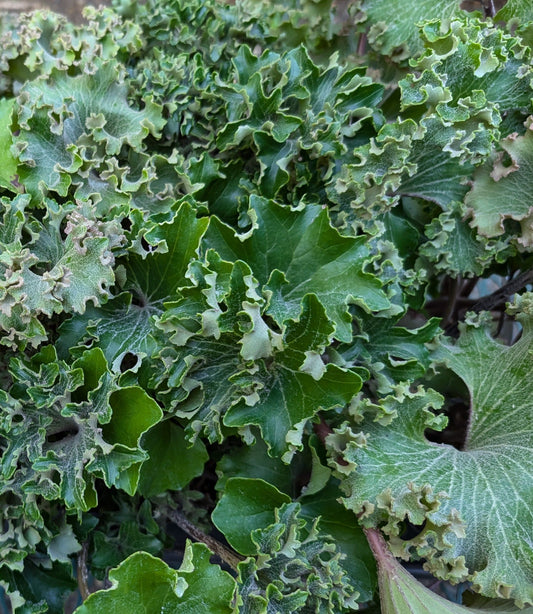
<point>519,10</point>
<point>289,392</point>
<point>342,526</point>
<point>70,124</point>
<point>51,265</point>
<point>500,189</point>
<point>392,29</point>
<point>8,163</point>
<point>460,495</point>
<point>291,548</point>
<point>143,583</point>
<point>74,423</point>
<point>401,593</point>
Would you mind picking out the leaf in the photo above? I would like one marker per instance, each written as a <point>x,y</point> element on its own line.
<point>314,259</point>
<point>124,325</point>
<point>401,593</point>
<point>156,275</point>
<point>143,583</point>
<point>392,353</point>
<point>458,494</point>
<point>41,589</point>
<point>397,36</point>
<point>70,124</point>
<point>288,395</point>
<point>455,247</point>
<point>171,462</point>
<point>8,164</point>
<point>55,435</point>
<point>246,504</point>
<point>519,10</point>
<point>290,548</point>
<point>272,380</point>
<point>51,265</point>
<point>497,193</point>
<point>342,527</point>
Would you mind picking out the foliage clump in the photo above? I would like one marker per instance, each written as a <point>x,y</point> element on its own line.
<point>254,267</point>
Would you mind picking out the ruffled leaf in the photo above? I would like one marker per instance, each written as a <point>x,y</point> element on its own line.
<point>482,489</point>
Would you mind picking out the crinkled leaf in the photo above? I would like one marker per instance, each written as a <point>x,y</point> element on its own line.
<point>291,548</point>
<point>295,386</point>
<point>67,442</point>
<point>314,259</point>
<point>401,593</point>
<point>339,523</point>
<point>8,163</point>
<point>392,29</point>
<point>57,264</point>
<point>483,489</point>
<point>70,124</point>
<point>232,368</point>
<point>391,353</point>
<point>501,187</point>
<point>455,247</point>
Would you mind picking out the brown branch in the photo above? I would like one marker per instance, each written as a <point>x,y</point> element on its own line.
<point>496,299</point>
<point>82,574</point>
<point>228,556</point>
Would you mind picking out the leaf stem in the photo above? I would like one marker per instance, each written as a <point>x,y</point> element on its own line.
<point>82,575</point>
<point>230,558</point>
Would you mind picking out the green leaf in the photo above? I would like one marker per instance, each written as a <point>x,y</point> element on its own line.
<point>8,163</point>
<point>454,247</point>
<point>392,353</point>
<point>392,29</point>
<point>246,504</point>
<point>252,375</point>
<point>401,593</point>
<point>314,259</point>
<point>143,583</point>
<point>51,265</point>
<point>519,10</point>
<point>295,386</point>
<point>342,527</point>
<point>292,548</point>
<point>70,124</point>
<point>76,424</point>
<point>156,275</point>
<point>41,588</point>
<point>498,190</point>
<point>482,489</point>
<point>172,462</point>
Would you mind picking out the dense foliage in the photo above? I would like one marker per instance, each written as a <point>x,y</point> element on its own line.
<point>254,267</point>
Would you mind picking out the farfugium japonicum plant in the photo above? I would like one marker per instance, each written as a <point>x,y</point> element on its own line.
<point>264,284</point>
